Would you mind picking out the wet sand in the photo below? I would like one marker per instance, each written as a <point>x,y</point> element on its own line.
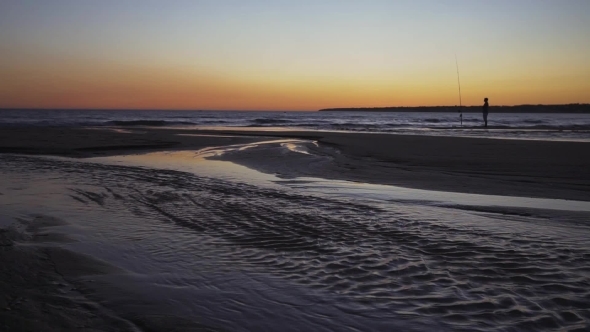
<point>196,252</point>
<point>44,287</point>
<point>545,169</point>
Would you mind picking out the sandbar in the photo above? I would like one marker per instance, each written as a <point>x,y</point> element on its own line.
<point>510,167</point>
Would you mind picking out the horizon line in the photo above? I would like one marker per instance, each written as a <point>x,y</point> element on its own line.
<point>263,110</point>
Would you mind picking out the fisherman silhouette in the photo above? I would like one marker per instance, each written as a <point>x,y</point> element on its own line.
<point>485,111</point>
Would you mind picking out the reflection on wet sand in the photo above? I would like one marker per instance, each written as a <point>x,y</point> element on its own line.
<point>248,252</point>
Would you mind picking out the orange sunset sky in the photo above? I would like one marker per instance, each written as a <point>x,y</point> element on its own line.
<point>291,55</point>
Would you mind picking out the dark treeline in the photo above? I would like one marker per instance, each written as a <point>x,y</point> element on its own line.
<point>566,108</point>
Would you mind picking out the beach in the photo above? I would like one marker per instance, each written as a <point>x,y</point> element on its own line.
<point>550,169</point>
<point>162,229</point>
<point>330,166</point>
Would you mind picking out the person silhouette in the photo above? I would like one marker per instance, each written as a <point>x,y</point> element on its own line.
<point>485,111</point>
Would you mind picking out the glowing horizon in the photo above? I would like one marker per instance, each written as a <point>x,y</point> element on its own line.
<point>286,55</point>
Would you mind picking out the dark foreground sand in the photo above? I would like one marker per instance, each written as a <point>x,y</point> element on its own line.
<point>44,287</point>
<point>34,294</point>
<point>472,165</point>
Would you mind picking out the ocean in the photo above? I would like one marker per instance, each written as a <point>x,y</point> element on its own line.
<point>544,126</point>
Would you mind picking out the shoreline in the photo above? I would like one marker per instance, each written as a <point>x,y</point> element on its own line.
<point>542,169</point>
<point>574,108</point>
<point>457,164</point>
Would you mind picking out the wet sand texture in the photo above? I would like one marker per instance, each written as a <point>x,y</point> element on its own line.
<point>473,165</point>
<point>45,287</point>
<point>34,292</point>
<point>519,271</point>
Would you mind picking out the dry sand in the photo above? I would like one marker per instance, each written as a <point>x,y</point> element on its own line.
<point>473,165</point>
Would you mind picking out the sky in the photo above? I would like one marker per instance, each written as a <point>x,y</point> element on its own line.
<point>292,55</point>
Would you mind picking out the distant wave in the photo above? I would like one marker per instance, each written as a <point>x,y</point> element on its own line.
<point>562,127</point>
<point>209,122</point>
<point>533,121</point>
<point>152,123</point>
<point>270,121</point>
<point>318,124</point>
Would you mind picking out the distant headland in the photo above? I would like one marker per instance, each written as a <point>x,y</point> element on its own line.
<point>564,108</point>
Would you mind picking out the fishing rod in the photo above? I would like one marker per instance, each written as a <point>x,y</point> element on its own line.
<point>459,83</point>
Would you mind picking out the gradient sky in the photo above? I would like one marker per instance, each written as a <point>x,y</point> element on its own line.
<point>291,55</point>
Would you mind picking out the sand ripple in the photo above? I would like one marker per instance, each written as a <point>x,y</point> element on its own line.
<point>469,271</point>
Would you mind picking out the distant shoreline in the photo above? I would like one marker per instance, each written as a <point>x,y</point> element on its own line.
<point>575,108</point>
<point>565,108</point>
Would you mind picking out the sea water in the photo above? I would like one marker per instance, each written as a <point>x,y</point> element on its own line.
<point>544,126</point>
